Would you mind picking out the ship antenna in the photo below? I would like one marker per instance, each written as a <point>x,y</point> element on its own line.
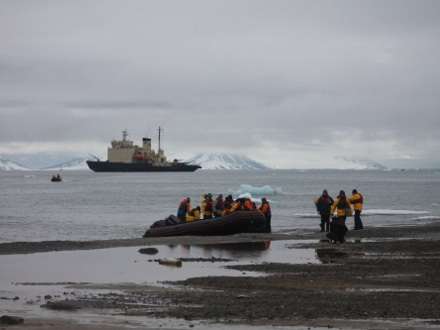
<point>160,129</point>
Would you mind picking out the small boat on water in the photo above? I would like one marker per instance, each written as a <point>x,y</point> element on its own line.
<point>56,178</point>
<point>238,222</point>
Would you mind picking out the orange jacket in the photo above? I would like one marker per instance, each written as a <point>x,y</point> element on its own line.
<point>248,204</point>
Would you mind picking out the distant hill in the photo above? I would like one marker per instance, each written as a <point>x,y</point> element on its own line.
<point>9,165</point>
<point>75,164</point>
<point>225,161</point>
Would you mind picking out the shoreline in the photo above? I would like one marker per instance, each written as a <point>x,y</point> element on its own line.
<point>383,277</point>
<point>425,231</point>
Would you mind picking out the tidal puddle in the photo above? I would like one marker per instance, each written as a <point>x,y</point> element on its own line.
<point>31,277</point>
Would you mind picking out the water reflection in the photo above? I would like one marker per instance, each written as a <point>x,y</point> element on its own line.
<point>330,255</point>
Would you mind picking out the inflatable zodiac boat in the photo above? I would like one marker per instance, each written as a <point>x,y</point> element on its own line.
<point>238,222</point>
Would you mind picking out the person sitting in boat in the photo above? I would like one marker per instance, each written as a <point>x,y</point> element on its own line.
<point>56,178</point>
<point>248,204</point>
<point>184,208</point>
<point>207,206</point>
<point>193,215</point>
<point>219,206</point>
<point>242,204</point>
<point>237,205</point>
<point>227,206</point>
<point>267,212</point>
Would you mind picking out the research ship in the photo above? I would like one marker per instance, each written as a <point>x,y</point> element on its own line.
<point>125,156</point>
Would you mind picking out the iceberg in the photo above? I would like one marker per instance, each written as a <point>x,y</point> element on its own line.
<point>259,191</point>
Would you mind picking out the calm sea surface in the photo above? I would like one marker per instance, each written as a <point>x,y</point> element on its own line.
<point>89,205</point>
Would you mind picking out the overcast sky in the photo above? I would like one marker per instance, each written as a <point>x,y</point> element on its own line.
<point>289,83</point>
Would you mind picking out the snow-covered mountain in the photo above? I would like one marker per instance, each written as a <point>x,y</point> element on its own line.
<point>225,161</point>
<point>359,164</point>
<point>74,165</point>
<point>9,165</point>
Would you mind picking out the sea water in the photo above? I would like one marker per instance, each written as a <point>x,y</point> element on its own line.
<point>88,205</point>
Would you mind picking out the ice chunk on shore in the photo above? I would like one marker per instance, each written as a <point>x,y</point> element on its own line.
<point>306,215</point>
<point>392,212</point>
<point>427,217</point>
<point>259,191</point>
<point>370,212</point>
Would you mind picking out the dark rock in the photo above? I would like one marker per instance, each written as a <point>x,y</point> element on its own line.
<point>16,298</point>
<point>48,297</point>
<point>149,251</point>
<point>330,253</point>
<point>62,305</point>
<point>11,320</point>
<point>170,262</point>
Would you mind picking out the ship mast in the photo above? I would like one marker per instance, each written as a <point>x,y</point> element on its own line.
<point>160,130</point>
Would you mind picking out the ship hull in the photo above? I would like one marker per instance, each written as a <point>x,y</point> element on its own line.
<point>98,166</point>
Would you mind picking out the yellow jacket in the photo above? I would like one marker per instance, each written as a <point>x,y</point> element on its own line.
<point>357,200</point>
<point>193,216</point>
<point>341,212</point>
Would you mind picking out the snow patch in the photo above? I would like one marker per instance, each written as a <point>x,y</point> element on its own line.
<point>225,161</point>
<point>9,165</point>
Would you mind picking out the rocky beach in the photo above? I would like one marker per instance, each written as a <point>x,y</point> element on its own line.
<point>382,277</point>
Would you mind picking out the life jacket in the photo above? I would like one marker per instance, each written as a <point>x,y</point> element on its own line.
<point>342,208</point>
<point>193,215</point>
<point>208,206</point>
<point>219,205</point>
<point>248,204</point>
<point>324,204</point>
<point>265,209</point>
<point>236,206</point>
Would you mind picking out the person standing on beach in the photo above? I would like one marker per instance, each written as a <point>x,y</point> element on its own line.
<point>342,208</point>
<point>323,206</point>
<point>357,200</point>
<point>267,212</point>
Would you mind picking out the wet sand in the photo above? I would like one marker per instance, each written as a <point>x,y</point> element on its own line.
<point>382,278</point>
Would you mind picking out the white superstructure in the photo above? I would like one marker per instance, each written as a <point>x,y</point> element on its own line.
<point>125,151</point>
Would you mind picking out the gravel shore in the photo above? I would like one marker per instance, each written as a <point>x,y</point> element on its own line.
<point>381,278</point>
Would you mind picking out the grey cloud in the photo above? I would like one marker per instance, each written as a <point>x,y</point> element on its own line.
<point>213,73</point>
